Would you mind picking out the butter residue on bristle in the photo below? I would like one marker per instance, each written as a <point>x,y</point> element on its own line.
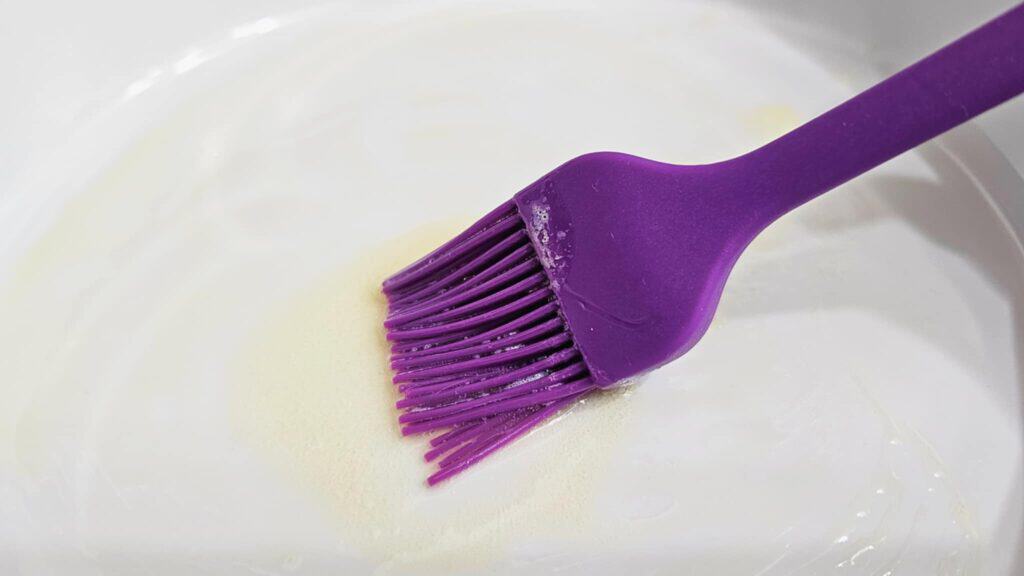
<point>313,392</point>
<point>546,241</point>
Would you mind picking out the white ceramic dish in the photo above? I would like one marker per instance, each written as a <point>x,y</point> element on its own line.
<point>198,200</point>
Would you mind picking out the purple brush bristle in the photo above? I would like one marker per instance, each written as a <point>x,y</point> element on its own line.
<point>479,349</point>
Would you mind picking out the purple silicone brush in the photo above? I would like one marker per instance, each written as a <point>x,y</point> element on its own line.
<point>612,265</point>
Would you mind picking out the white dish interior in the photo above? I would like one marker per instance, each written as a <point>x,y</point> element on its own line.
<point>189,254</point>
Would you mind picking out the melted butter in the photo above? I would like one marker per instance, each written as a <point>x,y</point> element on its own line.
<point>770,121</point>
<point>313,390</point>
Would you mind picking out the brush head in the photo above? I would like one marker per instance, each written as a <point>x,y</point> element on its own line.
<point>605,268</point>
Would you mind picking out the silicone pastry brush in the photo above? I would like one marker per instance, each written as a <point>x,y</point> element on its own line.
<point>612,265</point>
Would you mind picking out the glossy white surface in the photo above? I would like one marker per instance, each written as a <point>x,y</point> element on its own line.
<point>192,224</point>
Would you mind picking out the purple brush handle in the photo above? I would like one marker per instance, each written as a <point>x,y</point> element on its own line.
<point>962,80</point>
